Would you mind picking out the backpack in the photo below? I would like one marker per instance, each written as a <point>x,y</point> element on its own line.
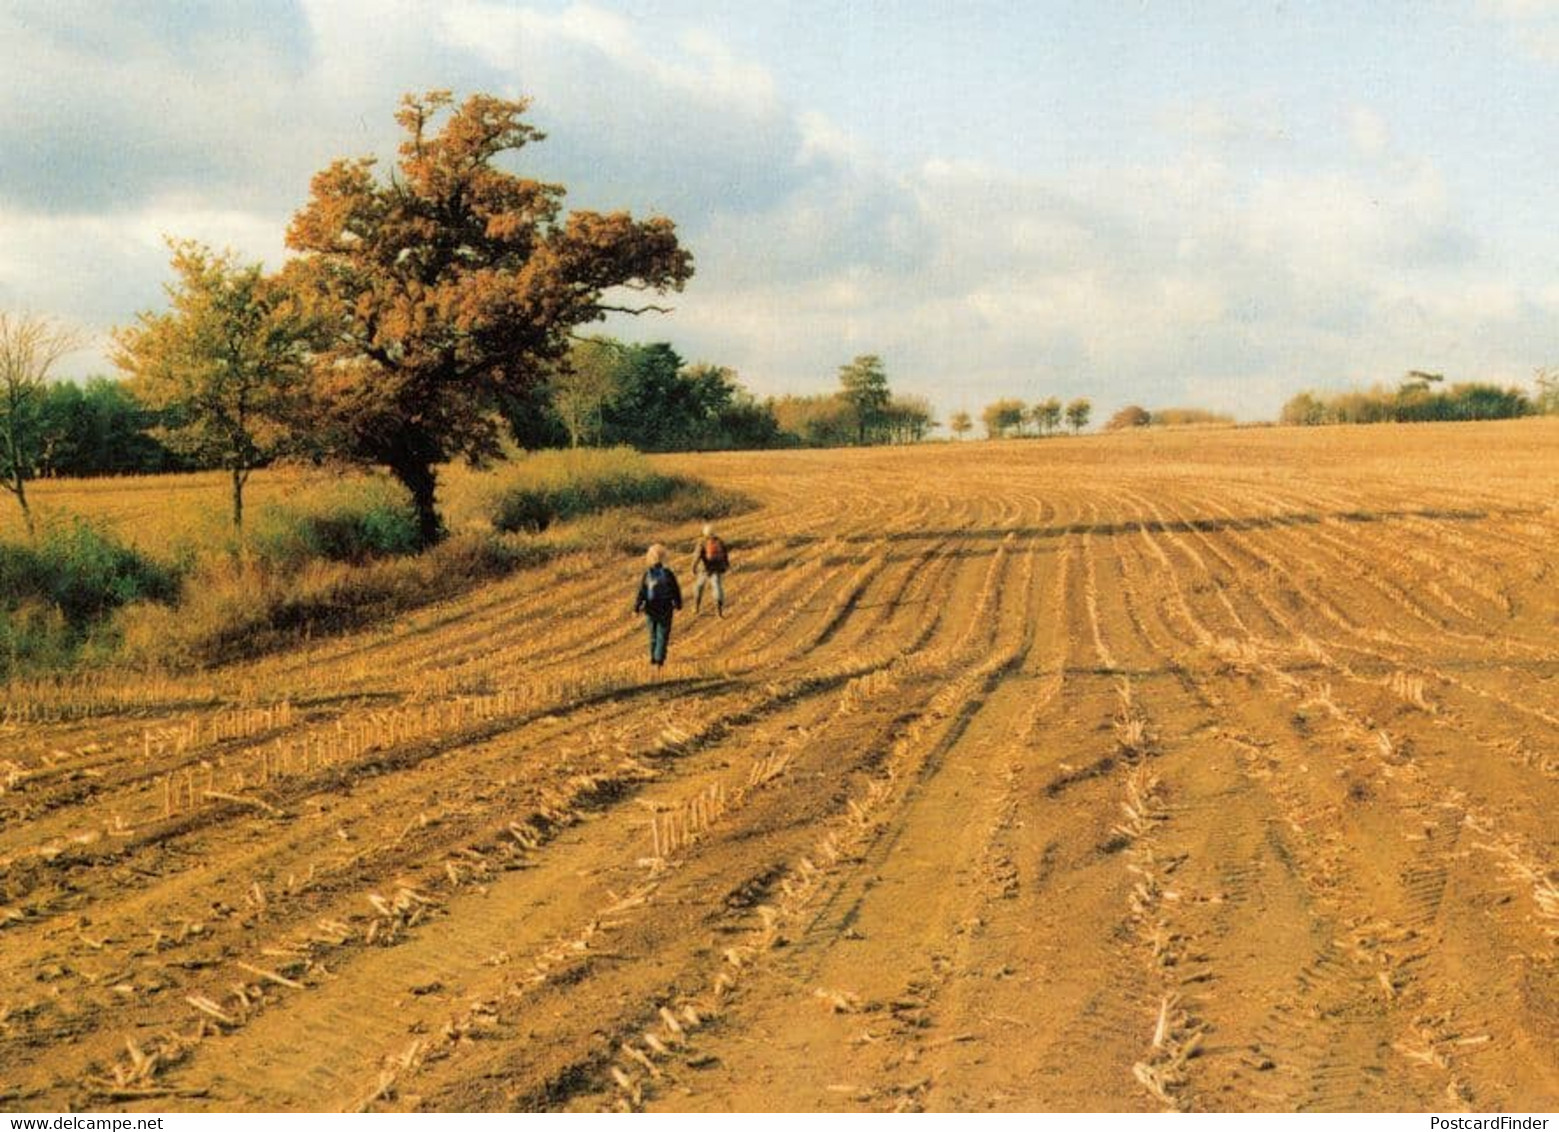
<point>716,557</point>
<point>657,589</point>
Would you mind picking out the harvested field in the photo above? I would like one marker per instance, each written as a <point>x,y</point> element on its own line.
<point>1207,770</point>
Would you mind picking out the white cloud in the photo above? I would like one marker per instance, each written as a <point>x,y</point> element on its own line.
<point>1170,285</point>
<point>1252,121</point>
<point>1321,224</point>
<point>1531,26</point>
<point>823,141</point>
<point>704,68</point>
<point>1368,132</point>
<point>121,105</point>
<point>1227,269</point>
<point>43,265</point>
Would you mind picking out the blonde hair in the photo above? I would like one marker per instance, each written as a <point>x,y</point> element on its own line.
<point>709,529</point>
<point>655,555</point>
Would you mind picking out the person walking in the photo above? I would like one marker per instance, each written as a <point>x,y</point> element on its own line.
<point>710,562</point>
<point>659,598</point>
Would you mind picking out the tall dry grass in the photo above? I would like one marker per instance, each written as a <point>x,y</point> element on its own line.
<point>326,550</point>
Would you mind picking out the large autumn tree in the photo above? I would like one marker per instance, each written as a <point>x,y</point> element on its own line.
<point>452,284</point>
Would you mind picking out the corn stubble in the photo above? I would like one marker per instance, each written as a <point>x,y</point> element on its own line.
<point>1266,755</point>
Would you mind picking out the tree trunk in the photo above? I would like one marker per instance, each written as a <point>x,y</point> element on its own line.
<point>19,489</point>
<point>16,478</point>
<point>238,504</point>
<point>421,481</point>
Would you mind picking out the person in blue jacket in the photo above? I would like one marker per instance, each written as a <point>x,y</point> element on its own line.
<point>659,598</point>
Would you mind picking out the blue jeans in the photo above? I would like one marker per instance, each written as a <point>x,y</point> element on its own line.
<point>660,636</point>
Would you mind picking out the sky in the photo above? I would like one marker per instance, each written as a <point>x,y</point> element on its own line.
<point>1210,204</point>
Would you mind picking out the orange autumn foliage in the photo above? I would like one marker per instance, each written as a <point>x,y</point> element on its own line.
<point>452,285</point>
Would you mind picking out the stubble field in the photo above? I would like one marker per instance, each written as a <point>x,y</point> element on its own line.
<point>1201,770</point>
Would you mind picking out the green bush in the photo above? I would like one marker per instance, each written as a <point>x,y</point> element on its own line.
<point>696,500</point>
<point>34,636</point>
<point>57,592</point>
<point>537,508</point>
<point>353,522</point>
<point>83,571</point>
<point>554,487</point>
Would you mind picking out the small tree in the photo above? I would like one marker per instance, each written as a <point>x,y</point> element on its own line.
<point>654,409</point>
<point>1132,416</point>
<point>1547,399</point>
<point>1303,409</point>
<point>960,424</point>
<point>822,420</point>
<point>1047,414</point>
<point>1077,413</point>
<point>908,419</point>
<point>583,386</point>
<point>454,285</point>
<point>30,346</point>
<point>747,423</point>
<point>864,385</point>
<point>1034,418</point>
<point>226,362</point>
<point>1002,416</point>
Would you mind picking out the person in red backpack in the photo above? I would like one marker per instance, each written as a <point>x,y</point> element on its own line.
<point>659,598</point>
<point>710,563</point>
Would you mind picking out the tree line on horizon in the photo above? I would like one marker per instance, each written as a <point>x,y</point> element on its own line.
<point>1421,396</point>
<point>1135,416</point>
<point>610,393</point>
<point>606,394</point>
<point>1009,417</point>
<point>1415,398</point>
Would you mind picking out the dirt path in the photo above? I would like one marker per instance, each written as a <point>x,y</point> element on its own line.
<point>1189,772</point>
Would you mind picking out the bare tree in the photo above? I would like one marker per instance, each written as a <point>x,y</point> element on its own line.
<point>30,345</point>
<point>1547,400</point>
<point>582,386</point>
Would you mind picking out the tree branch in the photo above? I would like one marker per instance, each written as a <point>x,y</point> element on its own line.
<point>646,309</point>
